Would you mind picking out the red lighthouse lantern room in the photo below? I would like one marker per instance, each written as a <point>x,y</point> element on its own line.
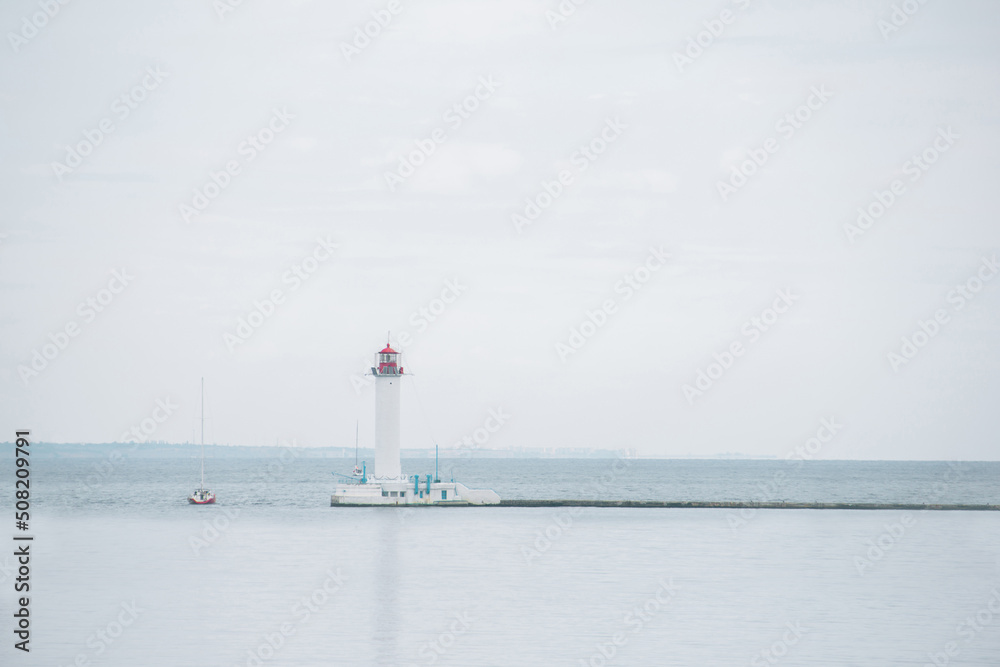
<point>388,362</point>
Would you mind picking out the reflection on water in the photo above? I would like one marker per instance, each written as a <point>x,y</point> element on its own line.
<point>385,552</point>
<point>406,583</point>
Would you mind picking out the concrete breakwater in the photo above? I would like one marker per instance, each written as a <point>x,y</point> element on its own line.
<point>696,504</point>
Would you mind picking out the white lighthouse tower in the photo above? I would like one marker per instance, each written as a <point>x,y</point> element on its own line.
<point>387,485</point>
<point>388,378</point>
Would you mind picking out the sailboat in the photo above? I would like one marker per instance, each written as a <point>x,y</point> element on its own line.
<point>202,496</point>
<point>357,470</point>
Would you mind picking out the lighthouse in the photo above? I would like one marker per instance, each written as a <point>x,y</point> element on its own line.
<point>387,485</point>
<point>388,378</point>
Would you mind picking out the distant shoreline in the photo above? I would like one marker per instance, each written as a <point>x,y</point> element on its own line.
<point>153,450</point>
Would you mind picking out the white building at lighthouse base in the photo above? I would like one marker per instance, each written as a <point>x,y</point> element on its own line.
<point>415,492</point>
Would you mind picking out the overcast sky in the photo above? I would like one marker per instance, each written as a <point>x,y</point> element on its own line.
<point>116,118</point>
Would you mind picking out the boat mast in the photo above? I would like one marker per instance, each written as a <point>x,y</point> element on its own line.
<point>202,433</point>
<point>356,443</point>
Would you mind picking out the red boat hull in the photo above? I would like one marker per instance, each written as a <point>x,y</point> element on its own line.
<point>202,497</point>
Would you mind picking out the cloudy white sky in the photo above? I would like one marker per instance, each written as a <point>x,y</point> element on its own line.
<point>337,121</point>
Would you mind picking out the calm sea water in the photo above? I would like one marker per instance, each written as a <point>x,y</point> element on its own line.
<point>124,572</point>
